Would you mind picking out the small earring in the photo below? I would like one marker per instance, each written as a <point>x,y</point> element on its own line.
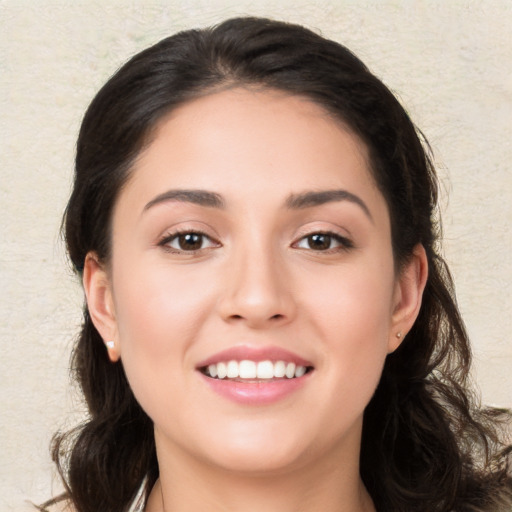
<point>399,334</point>
<point>110,344</point>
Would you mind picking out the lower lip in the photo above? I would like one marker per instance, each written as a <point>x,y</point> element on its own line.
<point>256,393</point>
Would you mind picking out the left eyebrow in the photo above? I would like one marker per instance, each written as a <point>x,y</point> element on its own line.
<point>317,198</point>
<point>199,197</point>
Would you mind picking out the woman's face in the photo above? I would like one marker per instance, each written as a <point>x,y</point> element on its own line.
<point>252,230</point>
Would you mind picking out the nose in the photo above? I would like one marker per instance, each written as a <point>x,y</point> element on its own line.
<point>258,290</point>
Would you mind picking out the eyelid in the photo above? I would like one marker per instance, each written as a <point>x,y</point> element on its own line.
<point>345,243</point>
<point>172,235</point>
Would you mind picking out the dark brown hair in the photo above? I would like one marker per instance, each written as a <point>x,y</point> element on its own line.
<point>426,444</point>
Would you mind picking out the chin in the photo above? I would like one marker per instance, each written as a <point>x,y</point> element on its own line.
<point>261,448</point>
<point>253,460</point>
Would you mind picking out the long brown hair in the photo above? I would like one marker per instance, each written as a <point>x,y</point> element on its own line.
<point>426,444</point>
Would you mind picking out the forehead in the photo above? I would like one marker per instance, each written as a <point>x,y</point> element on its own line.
<point>268,128</point>
<point>254,148</point>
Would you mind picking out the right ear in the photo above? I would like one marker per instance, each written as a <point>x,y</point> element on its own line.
<point>100,303</point>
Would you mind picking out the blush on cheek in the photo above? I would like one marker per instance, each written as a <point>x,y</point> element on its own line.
<point>362,340</point>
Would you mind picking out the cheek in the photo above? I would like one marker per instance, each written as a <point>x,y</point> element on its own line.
<point>159,313</point>
<point>158,304</point>
<point>352,302</point>
<point>352,313</point>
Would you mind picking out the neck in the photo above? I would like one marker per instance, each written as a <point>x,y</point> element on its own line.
<point>186,484</point>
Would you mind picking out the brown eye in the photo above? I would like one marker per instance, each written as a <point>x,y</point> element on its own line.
<point>319,242</point>
<point>324,242</point>
<point>188,242</point>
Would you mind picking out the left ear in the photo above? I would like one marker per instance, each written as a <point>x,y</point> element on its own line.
<point>408,294</point>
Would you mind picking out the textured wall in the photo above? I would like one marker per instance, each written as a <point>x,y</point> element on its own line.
<point>449,61</point>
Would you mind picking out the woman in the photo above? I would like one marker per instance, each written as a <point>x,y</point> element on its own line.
<point>269,325</point>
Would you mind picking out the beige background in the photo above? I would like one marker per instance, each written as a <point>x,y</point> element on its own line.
<point>448,60</point>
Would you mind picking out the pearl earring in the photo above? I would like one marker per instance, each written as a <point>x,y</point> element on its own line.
<point>399,334</point>
<point>110,344</point>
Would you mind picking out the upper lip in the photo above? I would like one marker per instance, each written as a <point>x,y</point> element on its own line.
<point>256,354</point>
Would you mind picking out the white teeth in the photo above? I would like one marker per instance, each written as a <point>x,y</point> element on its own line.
<point>279,369</point>
<point>212,370</point>
<point>265,370</point>
<point>300,371</point>
<point>222,370</point>
<point>232,372</point>
<point>290,370</point>
<point>255,370</point>
<point>247,369</point>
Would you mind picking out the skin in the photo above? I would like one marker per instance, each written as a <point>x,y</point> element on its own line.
<point>256,281</point>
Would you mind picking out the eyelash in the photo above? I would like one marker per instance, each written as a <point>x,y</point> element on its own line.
<point>345,244</point>
<point>167,239</point>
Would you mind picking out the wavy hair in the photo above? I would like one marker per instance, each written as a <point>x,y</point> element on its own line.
<point>426,444</point>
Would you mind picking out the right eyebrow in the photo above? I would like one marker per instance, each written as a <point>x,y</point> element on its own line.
<point>317,198</point>
<point>199,197</point>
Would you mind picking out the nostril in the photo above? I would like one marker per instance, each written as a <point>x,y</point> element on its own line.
<point>277,316</point>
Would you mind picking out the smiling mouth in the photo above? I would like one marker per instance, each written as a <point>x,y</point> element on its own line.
<point>255,371</point>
